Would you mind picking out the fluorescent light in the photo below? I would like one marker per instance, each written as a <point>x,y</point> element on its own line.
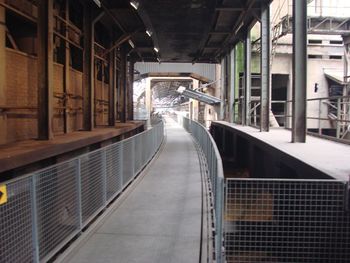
<point>156,49</point>
<point>131,43</point>
<point>98,3</point>
<point>149,33</point>
<point>134,4</point>
<point>238,28</point>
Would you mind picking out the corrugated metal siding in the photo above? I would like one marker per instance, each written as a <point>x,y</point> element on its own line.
<point>205,70</point>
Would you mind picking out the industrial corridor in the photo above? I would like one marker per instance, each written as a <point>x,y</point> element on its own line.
<point>159,218</point>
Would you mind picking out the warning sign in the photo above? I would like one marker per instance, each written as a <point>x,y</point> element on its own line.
<point>3,194</point>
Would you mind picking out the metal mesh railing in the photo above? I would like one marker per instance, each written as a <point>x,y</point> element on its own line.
<point>46,209</point>
<point>216,176</point>
<point>286,221</point>
<point>275,220</point>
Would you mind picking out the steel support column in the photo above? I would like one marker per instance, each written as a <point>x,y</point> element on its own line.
<point>3,121</point>
<point>45,69</point>
<point>66,80</point>
<point>232,84</point>
<point>299,70</point>
<point>148,94</point>
<point>111,89</point>
<point>88,70</point>
<point>222,90</point>
<point>265,69</point>
<point>131,90</point>
<point>123,82</point>
<point>247,80</point>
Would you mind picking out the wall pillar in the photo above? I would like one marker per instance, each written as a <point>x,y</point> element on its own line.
<point>3,119</point>
<point>299,70</point>
<point>88,70</point>
<point>247,80</point>
<point>265,70</point>
<point>45,69</point>
<point>195,103</point>
<point>66,80</point>
<point>222,89</point>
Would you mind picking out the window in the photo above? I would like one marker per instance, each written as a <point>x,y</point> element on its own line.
<point>315,41</point>
<point>315,56</point>
<point>336,42</point>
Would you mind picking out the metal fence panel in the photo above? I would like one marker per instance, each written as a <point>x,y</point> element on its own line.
<point>56,198</point>
<point>16,223</point>
<point>286,221</point>
<point>114,166</point>
<point>128,160</point>
<point>92,187</point>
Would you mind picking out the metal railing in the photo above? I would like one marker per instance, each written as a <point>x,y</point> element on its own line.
<point>327,117</point>
<point>216,177</point>
<point>46,209</point>
<point>281,220</point>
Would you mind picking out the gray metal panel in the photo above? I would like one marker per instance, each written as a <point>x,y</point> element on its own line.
<point>205,70</point>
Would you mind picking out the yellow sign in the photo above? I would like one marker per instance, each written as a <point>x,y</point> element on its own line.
<point>3,194</point>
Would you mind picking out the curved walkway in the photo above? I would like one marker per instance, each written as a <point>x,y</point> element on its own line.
<point>160,220</point>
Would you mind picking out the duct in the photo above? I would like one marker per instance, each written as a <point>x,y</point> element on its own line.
<point>197,95</point>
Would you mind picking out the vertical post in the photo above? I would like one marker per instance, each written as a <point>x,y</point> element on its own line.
<point>148,94</point>
<point>232,84</point>
<point>131,91</point>
<point>299,70</point>
<point>34,211</point>
<point>195,103</point>
<point>3,122</point>
<point>45,69</point>
<point>319,116</point>
<point>88,69</point>
<point>265,69</point>
<point>123,82</point>
<point>79,200</point>
<point>222,89</point>
<point>338,122</point>
<point>111,89</point>
<point>247,79</point>
<point>66,80</point>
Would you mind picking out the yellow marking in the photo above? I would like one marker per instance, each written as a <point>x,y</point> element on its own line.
<point>3,194</point>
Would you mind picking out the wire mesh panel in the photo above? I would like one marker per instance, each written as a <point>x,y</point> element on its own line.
<point>128,160</point>
<point>114,167</point>
<point>138,145</point>
<point>286,221</point>
<point>16,223</point>
<point>92,184</point>
<point>57,208</point>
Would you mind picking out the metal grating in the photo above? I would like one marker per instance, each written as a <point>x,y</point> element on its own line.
<point>114,166</point>
<point>92,186</point>
<point>286,221</point>
<point>57,208</point>
<point>16,242</point>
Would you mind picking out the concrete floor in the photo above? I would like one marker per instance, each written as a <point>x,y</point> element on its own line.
<point>159,221</point>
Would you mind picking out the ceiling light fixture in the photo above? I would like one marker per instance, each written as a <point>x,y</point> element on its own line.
<point>98,3</point>
<point>156,49</point>
<point>131,43</point>
<point>238,28</point>
<point>149,33</point>
<point>134,4</point>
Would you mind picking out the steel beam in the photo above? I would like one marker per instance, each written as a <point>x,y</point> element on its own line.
<point>265,69</point>
<point>88,69</point>
<point>299,70</point>
<point>45,69</point>
<point>247,80</point>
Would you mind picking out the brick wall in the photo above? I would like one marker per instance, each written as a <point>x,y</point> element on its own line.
<point>21,91</point>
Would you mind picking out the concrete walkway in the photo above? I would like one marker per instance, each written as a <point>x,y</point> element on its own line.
<point>159,221</point>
